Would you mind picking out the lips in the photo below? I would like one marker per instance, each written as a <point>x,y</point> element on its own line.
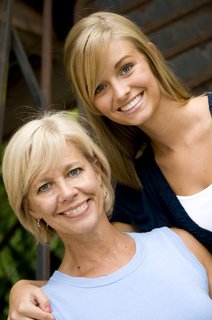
<point>78,210</point>
<point>132,103</point>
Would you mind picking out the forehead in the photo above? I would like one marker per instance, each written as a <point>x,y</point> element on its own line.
<point>70,149</point>
<point>126,50</point>
<point>113,48</point>
<point>121,43</point>
<point>69,158</point>
<point>69,153</point>
<point>119,48</point>
<point>63,155</point>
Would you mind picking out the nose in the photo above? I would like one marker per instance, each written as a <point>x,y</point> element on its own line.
<point>66,191</point>
<point>121,90</point>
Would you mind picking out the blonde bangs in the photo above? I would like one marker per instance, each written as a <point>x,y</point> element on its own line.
<point>93,62</point>
<point>95,59</point>
<point>85,58</point>
<point>45,152</point>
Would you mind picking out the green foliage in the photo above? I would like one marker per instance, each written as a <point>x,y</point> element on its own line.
<point>17,251</point>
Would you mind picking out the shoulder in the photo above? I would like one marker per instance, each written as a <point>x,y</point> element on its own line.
<point>202,102</point>
<point>202,254</point>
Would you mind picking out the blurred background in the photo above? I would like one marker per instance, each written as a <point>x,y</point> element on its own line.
<point>32,34</point>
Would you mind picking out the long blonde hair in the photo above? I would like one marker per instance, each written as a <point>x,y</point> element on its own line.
<point>85,54</point>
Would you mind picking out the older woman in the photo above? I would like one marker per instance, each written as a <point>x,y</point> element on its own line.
<point>58,181</point>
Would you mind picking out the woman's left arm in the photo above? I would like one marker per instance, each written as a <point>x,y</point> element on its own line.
<point>202,254</point>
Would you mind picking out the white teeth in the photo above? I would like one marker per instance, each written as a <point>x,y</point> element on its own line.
<point>132,104</point>
<point>76,210</point>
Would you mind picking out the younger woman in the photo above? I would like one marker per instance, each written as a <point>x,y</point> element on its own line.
<point>156,136</point>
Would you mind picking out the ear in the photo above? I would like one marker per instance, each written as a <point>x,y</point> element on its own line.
<point>97,169</point>
<point>152,47</point>
<point>27,209</point>
<point>99,177</point>
<point>34,214</point>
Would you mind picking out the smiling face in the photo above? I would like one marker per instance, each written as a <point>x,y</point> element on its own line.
<point>128,92</point>
<point>69,196</point>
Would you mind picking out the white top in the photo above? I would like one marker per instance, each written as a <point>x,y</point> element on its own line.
<point>199,207</point>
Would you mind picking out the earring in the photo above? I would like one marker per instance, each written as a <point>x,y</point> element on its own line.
<point>105,192</point>
<point>39,225</point>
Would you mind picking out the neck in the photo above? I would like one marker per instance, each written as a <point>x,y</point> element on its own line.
<point>174,124</point>
<point>161,126</point>
<point>97,253</point>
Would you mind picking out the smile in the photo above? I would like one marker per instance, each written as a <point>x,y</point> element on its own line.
<point>76,211</point>
<point>132,104</point>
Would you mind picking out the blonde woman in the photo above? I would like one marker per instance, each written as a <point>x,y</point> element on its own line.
<point>58,181</point>
<point>155,134</point>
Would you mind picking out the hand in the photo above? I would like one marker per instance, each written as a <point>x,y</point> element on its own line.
<point>28,302</point>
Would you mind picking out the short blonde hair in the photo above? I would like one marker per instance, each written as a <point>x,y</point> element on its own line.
<point>34,149</point>
<point>85,57</point>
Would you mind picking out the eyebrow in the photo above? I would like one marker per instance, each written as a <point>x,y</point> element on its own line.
<point>121,60</point>
<point>69,166</point>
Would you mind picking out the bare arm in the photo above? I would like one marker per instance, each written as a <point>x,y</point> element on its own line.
<point>28,302</point>
<point>202,254</point>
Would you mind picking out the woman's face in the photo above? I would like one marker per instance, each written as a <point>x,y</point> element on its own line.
<point>68,197</point>
<point>128,92</point>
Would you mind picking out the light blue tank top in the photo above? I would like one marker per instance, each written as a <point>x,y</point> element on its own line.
<point>163,281</point>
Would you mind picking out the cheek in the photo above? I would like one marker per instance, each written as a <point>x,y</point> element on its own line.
<point>144,72</point>
<point>42,207</point>
<point>97,104</point>
<point>102,103</point>
<point>93,184</point>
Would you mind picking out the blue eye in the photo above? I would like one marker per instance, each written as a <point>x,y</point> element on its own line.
<point>126,68</point>
<point>44,187</point>
<point>75,172</point>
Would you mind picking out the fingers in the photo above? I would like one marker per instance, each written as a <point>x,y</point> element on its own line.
<point>40,299</point>
<point>30,312</point>
<point>28,302</point>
